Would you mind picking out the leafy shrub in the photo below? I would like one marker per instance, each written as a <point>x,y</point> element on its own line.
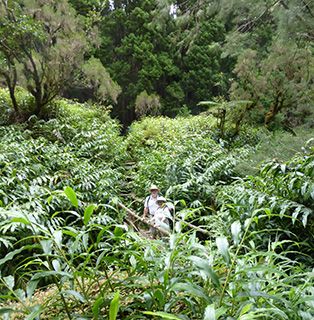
<point>179,155</point>
<point>279,145</point>
<point>285,194</point>
<point>24,99</point>
<point>178,278</point>
<point>64,249</point>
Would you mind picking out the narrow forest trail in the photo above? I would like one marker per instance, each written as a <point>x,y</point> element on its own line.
<point>133,218</point>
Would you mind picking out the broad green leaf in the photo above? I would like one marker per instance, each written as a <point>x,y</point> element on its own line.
<point>9,281</point>
<point>20,294</point>
<point>264,312</point>
<point>21,220</point>
<point>88,213</point>
<point>70,231</point>
<point>46,246</point>
<point>56,265</point>
<point>6,310</point>
<point>57,235</point>
<point>97,305</point>
<point>210,313</point>
<point>251,316</point>
<point>31,287</point>
<point>283,168</point>
<point>306,213</point>
<point>223,248</point>
<point>235,231</point>
<point>36,311</point>
<point>133,261</point>
<point>160,297</point>
<point>192,289</point>
<point>75,294</point>
<point>45,274</point>
<point>163,315</point>
<point>221,311</point>
<point>118,231</point>
<point>246,309</point>
<point>11,255</point>
<point>114,306</point>
<point>204,265</point>
<point>71,195</point>
<point>49,199</point>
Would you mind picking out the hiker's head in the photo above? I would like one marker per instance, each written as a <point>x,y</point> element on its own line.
<point>154,189</point>
<point>161,201</point>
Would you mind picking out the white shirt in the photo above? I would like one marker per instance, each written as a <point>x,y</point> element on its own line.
<point>161,216</point>
<point>151,204</point>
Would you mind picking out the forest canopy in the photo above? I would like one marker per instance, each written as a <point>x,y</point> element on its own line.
<point>176,53</point>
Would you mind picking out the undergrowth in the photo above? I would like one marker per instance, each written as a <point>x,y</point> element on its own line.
<point>67,253</point>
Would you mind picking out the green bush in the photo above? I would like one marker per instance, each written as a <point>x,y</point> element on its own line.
<point>279,145</point>
<point>284,194</point>
<point>179,154</point>
<point>24,100</point>
<point>240,247</point>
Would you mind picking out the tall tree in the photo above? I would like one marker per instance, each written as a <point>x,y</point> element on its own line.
<point>273,44</point>
<point>138,51</point>
<point>42,47</point>
<point>201,64</point>
<point>280,82</point>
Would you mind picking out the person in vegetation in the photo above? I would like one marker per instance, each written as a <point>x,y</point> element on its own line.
<point>150,204</point>
<point>162,215</point>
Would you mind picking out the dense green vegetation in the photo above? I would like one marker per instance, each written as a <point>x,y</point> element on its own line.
<point>66,251</point>
<point>148,57</point>
<point>212,100</point>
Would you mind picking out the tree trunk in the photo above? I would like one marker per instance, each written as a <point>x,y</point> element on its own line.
<point>13,100</point>
<point>38,105</point>
<point>11,83</point>
<point>274,109</point>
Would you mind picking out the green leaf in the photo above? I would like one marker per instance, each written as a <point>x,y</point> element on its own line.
<point>246,309</point>
<point>133,261</point>
<point>118,231</point>
<point>159,297</point>
<point>114,306</point>
<point>235,231</point>
<point>70,231</point>
<point>9,281</point>
<point>250,316</point>
<point>45,274</point>
<point>204,266</point>
<point>49,199</point>
<point>31,287</point>
<point>163,315</point>
<point>70,193</point>
<point>88,213</point>
<point>192,289</point>
<point>283,168</point>
<point>208,103</point>
<point>46,246</point>
<point>57,235</point>
<point>97,305</point>
<point>21,220</point>
<point>210,313</point>
<point>75,294</point>
<point>223,246</point>
<point>37,309</point>
<point>6,310</point>
<point>56,265</point>
<point>11,255</point>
